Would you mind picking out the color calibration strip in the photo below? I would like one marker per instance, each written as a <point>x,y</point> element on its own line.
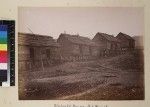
<point>7,53</point>
<point>3,53</point>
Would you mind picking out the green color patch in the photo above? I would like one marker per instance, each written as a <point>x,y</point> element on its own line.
<point>3,40</point>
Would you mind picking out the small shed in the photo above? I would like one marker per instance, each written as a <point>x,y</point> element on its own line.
<point>107,43</point>
<point>36,51</point>
<point>77,46</point>
<point>127,42</point>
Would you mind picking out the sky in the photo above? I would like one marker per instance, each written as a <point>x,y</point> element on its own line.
<point>85,21</point>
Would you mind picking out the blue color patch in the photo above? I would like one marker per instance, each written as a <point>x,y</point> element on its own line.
<point>3,34</point>
<point>3,27</point>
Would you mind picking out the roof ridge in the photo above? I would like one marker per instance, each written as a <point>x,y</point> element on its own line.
<point>126,35</point>
<point>79,39</point>
<point>108,36</point>
<point>23,33</point>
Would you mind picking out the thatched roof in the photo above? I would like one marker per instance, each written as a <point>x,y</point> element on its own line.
<point>77,39</point>
<point>125,35</point>
<point>36,40</point>
<point>108,37</point>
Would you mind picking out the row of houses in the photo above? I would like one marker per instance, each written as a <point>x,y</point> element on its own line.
<point>40,51</point>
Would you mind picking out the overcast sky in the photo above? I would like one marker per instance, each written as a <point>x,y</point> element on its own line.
<point>82,21</point>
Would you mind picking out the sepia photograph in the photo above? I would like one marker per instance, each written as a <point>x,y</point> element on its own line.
<point>81,53</point>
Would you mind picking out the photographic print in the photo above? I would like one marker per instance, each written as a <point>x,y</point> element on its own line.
<point>81,53</point>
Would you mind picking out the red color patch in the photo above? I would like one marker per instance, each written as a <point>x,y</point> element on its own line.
<point>3,57</point>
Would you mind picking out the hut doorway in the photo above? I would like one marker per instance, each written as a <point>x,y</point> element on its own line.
<point>32,54</point>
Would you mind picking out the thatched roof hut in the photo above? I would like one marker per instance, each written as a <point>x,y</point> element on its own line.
<point>36,40</point>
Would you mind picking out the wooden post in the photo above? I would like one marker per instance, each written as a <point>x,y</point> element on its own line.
<point>42,63</point>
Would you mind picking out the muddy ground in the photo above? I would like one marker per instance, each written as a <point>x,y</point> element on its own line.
<point>112,78</point>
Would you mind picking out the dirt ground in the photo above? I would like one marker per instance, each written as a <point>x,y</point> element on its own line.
<point>112,78</point>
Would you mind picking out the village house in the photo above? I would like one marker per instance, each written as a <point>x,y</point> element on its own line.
<point>108,44</point>
<point>36,51</point>
<point>127,42</point>
<point>75,47</point>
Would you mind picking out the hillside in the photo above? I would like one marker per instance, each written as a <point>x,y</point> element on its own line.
<point>112,78</point>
